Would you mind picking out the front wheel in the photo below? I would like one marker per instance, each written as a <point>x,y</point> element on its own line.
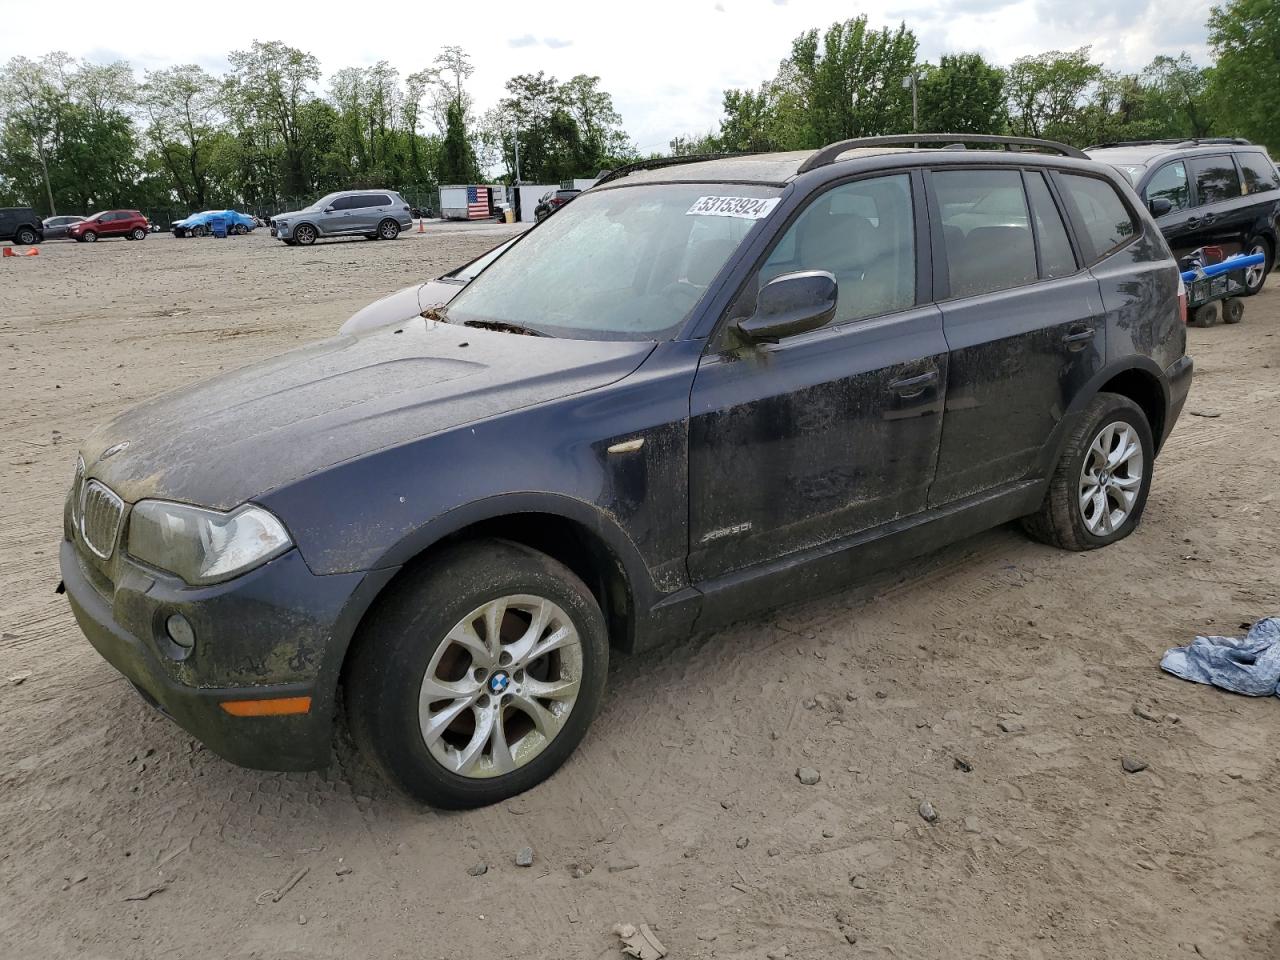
<point>1099,489</point>
<point>476,678</point>
<point>388,230</point>
<point>1256,277</point>
<point>90,237</point>
<point>26,237</point>
<point>305,235</point>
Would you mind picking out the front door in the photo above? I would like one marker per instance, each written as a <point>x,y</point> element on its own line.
<point>1023,320</point>
<point>1181,226</point>
<point>824,434</point>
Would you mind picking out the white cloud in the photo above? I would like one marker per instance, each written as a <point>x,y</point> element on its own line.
<point>666,63</point>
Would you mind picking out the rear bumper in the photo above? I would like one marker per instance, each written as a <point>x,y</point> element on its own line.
<point>1178,378</point>
<point>278,631</point>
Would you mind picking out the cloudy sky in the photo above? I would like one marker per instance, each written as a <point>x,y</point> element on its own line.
<point>666,62</point>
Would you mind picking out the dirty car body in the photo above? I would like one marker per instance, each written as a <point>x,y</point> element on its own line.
<point>698,455</point>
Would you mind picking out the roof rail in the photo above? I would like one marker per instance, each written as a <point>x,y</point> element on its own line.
<point>1175,142</point>
<point>657,163</point>
<point>829,153</point>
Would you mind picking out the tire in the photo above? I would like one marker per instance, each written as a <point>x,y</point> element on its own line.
<point>89,236</point>
<point>1207,314</point>
<point>1232,310</point>
<point>408,636</point>
<point>290,243</point>
<point>138,234</point>
<point>1062,520</point>
<point>388,230</point>
<point>1255,280</point>
<point>25,237</point>
<point>304,234</point>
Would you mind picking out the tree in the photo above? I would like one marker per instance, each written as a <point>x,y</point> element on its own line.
<point>599,123</point>
<point>1045,94</point>
<point>849,83</point>
<point>962,94</point>
<point>1178,97</point>
<point>457,157</point>
<point>1245,37</point>
<point>182,106</point>
<point>30,100</point>
<point>273,83</point>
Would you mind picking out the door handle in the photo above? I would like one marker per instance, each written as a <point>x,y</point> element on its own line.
<point>1193,221</point>
<point>1210,217</point>
<point>914,386</point>
<point>1078,340</point>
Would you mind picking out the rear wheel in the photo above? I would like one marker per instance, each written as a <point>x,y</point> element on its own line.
<point>1232,310</point>
<point>1098,491</point>
<point>388,230</point>
<point>1256,277</point>
<point>1207,314</point>
<point>476,680</point>
<point>25,236</point>
<point>305,234</point>
<point>138,233</point>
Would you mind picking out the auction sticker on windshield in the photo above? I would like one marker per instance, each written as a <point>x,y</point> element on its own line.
<point>746,208</point>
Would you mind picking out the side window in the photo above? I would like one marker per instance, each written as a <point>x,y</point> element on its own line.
<point>344,203</point>
<point>1260,174</point>
<point>1216,179</point>
<point>864,234</point>
<point>1102,220</point>
<point>986,230</point>
<point>379,200</point>
<point>1056,258</point>
<point>1170,183</point>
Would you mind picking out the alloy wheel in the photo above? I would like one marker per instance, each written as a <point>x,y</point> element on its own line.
<point>389,230</point>
<point>26,237</point>
<point>90,236</point>
<point>501,686</point>
<point>305,235</point>
<point>1110,478</point>
<point>1253,276</point>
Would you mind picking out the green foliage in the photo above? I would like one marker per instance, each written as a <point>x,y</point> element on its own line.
<point>1045,94</point>
<point>962,94</point>
<point>457,157</point>
<point>1245,37</point>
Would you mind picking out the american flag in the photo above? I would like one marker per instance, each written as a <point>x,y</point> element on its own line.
<point>477,203</point>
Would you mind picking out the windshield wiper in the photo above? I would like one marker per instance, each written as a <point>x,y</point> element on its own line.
<point>504,327</point>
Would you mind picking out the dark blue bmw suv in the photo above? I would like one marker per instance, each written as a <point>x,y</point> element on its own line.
<point>704,389</point>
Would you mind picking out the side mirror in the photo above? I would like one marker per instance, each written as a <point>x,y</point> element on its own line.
<point>791,304</point>
<point>328,209</point>
<point>1159,206</point>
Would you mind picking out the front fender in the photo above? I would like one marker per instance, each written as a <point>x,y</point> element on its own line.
<point>393,308</point>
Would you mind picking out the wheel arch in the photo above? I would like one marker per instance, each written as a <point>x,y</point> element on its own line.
<point>1146,390</point>
<point>574,533</point>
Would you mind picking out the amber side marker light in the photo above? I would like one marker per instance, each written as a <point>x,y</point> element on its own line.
<point>279,707</point>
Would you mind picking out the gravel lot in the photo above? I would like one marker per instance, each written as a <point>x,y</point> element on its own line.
<point>682,809</point>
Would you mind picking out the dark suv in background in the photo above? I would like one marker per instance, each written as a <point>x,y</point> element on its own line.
<point>1222,192</point>
<point>703,389</point>
<point>21,225</point>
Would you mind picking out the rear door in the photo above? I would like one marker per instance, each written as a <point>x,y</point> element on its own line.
<point>1022,319</point>
<point>834,431</point>
<point>1221,215</point>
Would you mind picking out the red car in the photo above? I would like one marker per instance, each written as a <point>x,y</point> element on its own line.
<point>129,224</point>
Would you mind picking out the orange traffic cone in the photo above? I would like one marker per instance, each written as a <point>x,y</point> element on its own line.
<point>33,252</point>
<point>8,252</point>
<point>421,227</point>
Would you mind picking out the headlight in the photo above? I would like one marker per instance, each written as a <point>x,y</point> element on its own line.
<point>204,546</point>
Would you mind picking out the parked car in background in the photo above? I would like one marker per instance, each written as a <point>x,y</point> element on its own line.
<point>702,392</point>
<point>373,214</point>
<point>1222,192</point>
<point>105,224</point>
<point>552,201</point>
<point>55,228</point>
<point>198,224</point>
<point>412,302</point>
<point>21,225</point>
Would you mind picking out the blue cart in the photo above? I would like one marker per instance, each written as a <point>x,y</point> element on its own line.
<point>1215,286</point>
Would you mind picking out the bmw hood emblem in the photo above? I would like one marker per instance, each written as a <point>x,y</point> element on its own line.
<point>115,448</point>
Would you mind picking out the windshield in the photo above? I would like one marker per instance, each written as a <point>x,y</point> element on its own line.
<point>324,201</point>
<point>470,271</point>
<point>1131,170</point>
<point>627,263</point>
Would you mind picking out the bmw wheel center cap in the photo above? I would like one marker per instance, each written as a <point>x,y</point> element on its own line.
<point>499,682</point>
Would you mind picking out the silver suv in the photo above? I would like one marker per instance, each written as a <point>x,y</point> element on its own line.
<point>375,214</point>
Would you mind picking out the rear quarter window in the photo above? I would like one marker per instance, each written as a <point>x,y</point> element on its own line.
<point>1260,174</point>
<point>1102,219</point>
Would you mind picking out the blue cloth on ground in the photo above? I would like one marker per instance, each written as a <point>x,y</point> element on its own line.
<point>1248,664</point>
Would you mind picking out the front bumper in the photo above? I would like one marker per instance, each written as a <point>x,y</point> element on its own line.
<point>277,631</point>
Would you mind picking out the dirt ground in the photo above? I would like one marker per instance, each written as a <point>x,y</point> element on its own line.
<point>683,802</point>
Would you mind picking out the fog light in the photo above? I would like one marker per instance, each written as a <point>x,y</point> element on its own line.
<point>180,631</point>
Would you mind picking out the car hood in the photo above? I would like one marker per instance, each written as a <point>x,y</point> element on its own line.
<point>240,435</point>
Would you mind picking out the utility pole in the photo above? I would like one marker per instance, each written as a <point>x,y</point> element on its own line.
<point>516,138</point>
<point>915,101</point>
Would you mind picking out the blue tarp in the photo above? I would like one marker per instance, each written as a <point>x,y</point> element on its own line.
<point>1248,664</point>
<point>231,217</point>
